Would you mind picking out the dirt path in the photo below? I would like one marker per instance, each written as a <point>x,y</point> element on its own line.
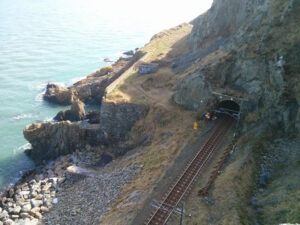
<point>124,76</point>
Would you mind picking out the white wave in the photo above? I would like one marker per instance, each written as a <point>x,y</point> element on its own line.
<point>118,54</point>
<point>48,119</point>
<point>22,148</point>
<point>42,86</point>
<point>42,89</point>
<point>39,96</point>
<point>24,116</point>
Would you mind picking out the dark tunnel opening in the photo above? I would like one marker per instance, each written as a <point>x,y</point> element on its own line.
<point>229,106</point>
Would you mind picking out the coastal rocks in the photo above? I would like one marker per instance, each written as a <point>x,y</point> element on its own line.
<point>36,192</point>
<point>129,53</point>
<point>193,92</point>
<point>105,70</point>
<point>50,140</point>
<point>76,113</point>
<point>88,200</point>
<point>108,60</point>
<point>59,95</point>
<point>26,204</point>
<point>146,68</point>
<point>92,88</point>
<point>93,116</point>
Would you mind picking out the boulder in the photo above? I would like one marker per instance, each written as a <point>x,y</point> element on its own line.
<point>24,215</point>
<point>26,208</point>
<point>76,113</point>
<point>8,222</point>
<point>36,213</point>
<point>129,53</point>
<point>36,203</point>
<point>146,68</point>
<point>4,215</point>
<point>77,110</point>
<point>59,95</point>
<point>108,60</point>
<point>93,116</point>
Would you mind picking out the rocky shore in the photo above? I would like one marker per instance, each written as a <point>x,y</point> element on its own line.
<point>79,143</point>
<point>39,190</point>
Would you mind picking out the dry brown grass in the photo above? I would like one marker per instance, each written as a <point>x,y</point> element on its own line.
<point>154,91</point>
<point>172,42</point>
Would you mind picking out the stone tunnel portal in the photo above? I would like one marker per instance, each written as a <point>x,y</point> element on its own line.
<point>229,107</point>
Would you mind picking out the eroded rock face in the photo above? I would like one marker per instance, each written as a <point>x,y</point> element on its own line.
<point>193,92</point>
<point>248,54</point>
<point>116,120</point>
<point>52,139</point>
<point>76,113</point>
<point>59,95</point>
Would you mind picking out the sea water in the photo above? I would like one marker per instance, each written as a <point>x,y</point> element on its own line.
<point>57,41</point>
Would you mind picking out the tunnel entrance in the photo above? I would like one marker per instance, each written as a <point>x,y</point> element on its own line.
<point>229,107</point>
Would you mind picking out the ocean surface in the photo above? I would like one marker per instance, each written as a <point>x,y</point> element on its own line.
<point>57,41</point>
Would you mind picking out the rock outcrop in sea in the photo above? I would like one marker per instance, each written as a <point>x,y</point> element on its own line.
<point>91,89</point>
<point>52,139</point>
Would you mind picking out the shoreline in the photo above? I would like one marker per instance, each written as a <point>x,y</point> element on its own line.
<point>34,192</point>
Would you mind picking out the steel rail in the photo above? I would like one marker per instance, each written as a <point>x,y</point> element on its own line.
<point>189,175</point>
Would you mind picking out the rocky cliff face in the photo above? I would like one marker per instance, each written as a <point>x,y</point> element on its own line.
<point>252,49</point>
<point>53,139</point>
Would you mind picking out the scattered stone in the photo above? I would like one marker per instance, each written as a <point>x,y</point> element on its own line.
<point>108,60</point>
<point>36,203</point>
<point>4,215</point>
<point>55,201</point>
<point>44,209</point>
<point>8,222</point>
<point>11,192</point>
<point>15,216</point>
<point>24,215</point>
<point>129,53</point>
<point>39,177</point>
<point>16,210</point>
<point>26,208</point>
<point>36,213</point>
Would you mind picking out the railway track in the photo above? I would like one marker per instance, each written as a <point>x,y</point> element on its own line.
<point>183,184</point>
